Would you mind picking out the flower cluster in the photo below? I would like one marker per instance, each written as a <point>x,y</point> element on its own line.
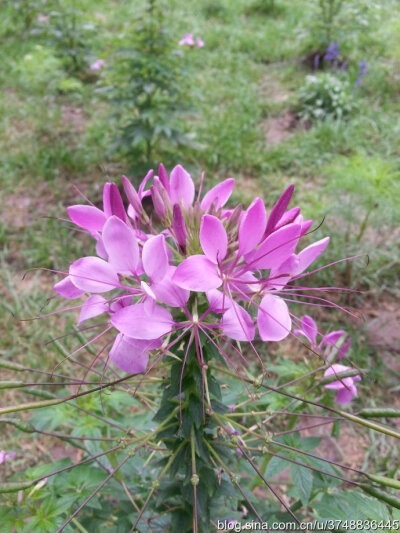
<point>197,268</point>
<point>189,40</point>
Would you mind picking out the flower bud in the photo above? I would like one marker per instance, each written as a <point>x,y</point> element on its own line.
<point>158,203</point>
<point>132,195</point>
<point>179,227</point>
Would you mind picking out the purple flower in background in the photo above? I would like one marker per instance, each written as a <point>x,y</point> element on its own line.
<point>43,18</point>
<point>332,53</point>
<point>361,73</point>
<point>188,40</point>
<point>346,390</point>
<point>4,456</point>
<point>97,65</point>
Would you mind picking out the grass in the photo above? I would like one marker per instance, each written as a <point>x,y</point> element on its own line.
<point>56,130</point>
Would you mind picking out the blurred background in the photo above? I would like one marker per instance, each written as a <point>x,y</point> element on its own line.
<point>271,92</point>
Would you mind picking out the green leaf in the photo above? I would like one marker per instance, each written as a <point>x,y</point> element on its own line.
<point>275,466</point>
<point>303,480</point>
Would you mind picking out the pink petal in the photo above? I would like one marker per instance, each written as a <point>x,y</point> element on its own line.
<point>181,186</point>
<point>219,302</point>
<point>213,238</point>
<point>137,322</point>
<point>237,324</point>
<point>87,216</point>
<point>94,305</point>
<point>127,356</point>
<point>310,329</point>
<point>112,202</point>
<point>288,217</point>
<point>168,293</point>
<point>197,273</point>
<point>252,226</point>
<point>276,248</point>
<point>274,322</point>
<point>310,254</point>
<point>344,349</point>
<point>218,195</point>
<point>132,195</point>
<point>306,225</point>
<point>121,245</point>
<point>67,289</point>
<point>92,274</point>
<point>344,396</point>
<point>142,192</point>
<point>162,174</point>
<point>155,258</point>
<point>278,210</point>
<point>332,337</point>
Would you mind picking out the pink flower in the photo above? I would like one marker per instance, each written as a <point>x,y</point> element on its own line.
<point>188,40</point>
<point>43,18</point>
<point>346,390</point>
<point>97,65</point>
<point>237,264</point>
<point>309,330</point>
<point>4,456</point>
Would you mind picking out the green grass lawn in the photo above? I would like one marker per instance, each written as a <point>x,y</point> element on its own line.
<point>57,127</point>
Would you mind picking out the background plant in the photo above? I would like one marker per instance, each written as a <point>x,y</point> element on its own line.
<point>149,88</point>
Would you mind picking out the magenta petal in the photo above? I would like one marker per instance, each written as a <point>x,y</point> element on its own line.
<point>197,273</point>
<point>332,338</point>
<point>168,293</point>
<point>94,305</point>
<point>137,322</point>
<point>127,356</point>
<point>218,195</point>
<point>112,202</point>
<point>237,324</point>
<point>344,395</point>
<point>309,254</point>
<point>219,302</point>
<point>310,329</point>
<point>92,274</point>
<point>155,258</point>
<point>181,186</point>
<point>288,217</point>
<point>252,227</point>
<point>213,238</point>
<point>276,248</point>
<point>162,174</point>
<point>67,289</point>
<point>274,322</point>
<point>87,216</point>
<point>121,245</point>
<point>278,210</point>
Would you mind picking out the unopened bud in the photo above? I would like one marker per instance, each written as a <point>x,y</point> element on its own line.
<point>159,205</point>
<point>194,480</point>
<point>179,226</point>
<point>132,195</point>
<point>162,174</point>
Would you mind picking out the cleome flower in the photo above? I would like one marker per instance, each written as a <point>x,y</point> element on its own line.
<point>344,387</point>
<point>195,266</point>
